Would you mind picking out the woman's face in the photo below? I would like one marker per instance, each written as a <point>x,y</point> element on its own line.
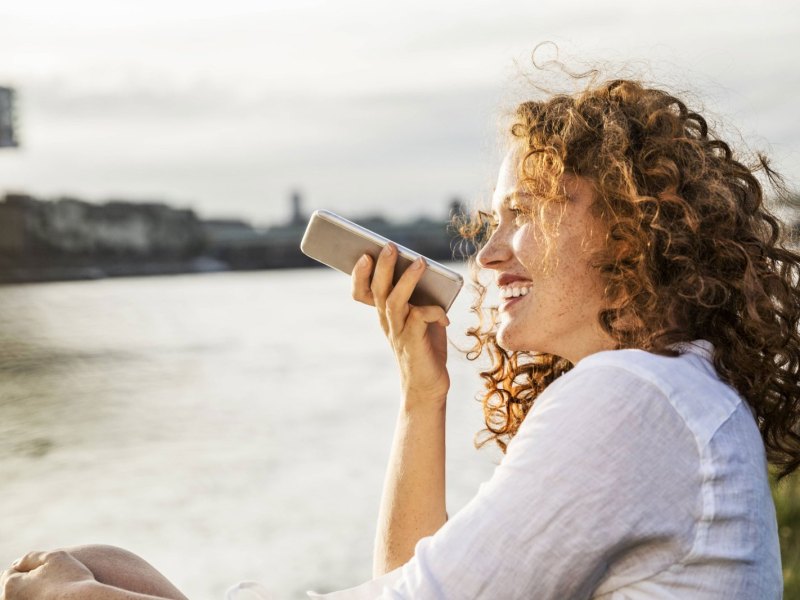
<point>552,310</point>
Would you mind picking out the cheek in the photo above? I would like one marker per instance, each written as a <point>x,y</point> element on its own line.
<point>527,248</point>
<point>564,281</point>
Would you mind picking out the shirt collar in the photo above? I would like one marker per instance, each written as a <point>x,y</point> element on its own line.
<point>700,347</point>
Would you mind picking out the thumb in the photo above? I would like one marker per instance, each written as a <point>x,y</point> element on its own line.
<point>419,317</point>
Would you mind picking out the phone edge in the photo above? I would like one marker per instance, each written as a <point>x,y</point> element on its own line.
<point>407,253</point>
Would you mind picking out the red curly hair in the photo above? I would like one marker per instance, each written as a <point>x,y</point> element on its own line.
<point>690,252</point>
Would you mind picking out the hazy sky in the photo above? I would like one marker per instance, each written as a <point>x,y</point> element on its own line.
<point>364,107</point>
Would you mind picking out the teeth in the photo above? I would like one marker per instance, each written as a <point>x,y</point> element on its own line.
<point>514,291</point>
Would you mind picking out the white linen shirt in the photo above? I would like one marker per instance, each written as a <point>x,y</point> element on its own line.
<point>634,476</point>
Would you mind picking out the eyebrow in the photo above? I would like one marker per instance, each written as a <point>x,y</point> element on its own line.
<point>504,202</point>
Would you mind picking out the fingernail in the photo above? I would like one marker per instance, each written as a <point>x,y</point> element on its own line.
<point>387,250</point>
<point>363,261</point>
<point>417,264</point>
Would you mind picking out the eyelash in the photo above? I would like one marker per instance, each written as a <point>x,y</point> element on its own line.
<point>493,223</point>
<point>518,213</point>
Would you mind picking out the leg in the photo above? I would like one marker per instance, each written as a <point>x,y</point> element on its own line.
<point>119,568</point>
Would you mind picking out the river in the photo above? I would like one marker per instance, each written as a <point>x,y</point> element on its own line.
<point>224,426</point>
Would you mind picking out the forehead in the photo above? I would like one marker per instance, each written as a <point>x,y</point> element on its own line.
<point>507,179</point>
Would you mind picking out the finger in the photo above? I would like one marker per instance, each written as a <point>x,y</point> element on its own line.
<point>10,583</point>
<point>5,576</point>
<point>30,561</point>
<point>397,302</point>
<point>419,317</point>
<point>7,581</point>
<point>359,281</point>
<point>383,275</point>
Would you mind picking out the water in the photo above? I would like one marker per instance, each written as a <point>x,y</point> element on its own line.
<point>224,427</point>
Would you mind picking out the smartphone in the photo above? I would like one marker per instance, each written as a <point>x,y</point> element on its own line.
<point>339,243</point>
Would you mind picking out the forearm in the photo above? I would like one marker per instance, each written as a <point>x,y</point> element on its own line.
<point>413,502</point>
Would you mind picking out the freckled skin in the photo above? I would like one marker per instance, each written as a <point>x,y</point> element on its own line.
<point>559,314</point>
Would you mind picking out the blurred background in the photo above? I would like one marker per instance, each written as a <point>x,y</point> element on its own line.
<point>231,418</point>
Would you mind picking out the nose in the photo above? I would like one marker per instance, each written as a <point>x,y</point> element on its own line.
<point>495,252</point>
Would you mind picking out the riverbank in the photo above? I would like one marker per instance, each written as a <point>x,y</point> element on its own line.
<point>69,239</point>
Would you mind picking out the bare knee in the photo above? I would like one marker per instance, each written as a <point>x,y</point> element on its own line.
<point>122,568</point>
<point>102,553</point>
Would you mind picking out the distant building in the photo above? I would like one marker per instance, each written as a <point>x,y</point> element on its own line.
<point>67,238</point>
<point>222,231</point>
<point>32,229</point>
<point>298,216</point>
<point>8,136</point>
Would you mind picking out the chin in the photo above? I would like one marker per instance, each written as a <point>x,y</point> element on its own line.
<point>515,339</point>
<point>510,340</point>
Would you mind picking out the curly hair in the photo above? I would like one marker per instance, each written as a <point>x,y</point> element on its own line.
<point>690,252</point>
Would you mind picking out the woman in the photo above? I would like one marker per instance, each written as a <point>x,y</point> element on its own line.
<point>645,359</point>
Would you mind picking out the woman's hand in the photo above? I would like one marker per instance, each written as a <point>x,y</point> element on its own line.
<point>46,576</point>
<point>417,333</point>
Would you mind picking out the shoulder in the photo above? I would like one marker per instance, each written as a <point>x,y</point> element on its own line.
<point>686,384</point>
<point>611,392</point>
<point>670,374</point>
<point>616,399</point>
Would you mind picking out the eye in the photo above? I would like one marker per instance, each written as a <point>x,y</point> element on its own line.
<point>517,212</point>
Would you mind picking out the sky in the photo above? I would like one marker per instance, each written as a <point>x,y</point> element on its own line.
<point>362,107</point>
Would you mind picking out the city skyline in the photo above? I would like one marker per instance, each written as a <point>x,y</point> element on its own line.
<point>229,109</point>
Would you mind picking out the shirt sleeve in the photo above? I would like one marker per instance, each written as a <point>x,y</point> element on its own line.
<point>603,471</point>
<point>248,590</point>
<point>366,591</point>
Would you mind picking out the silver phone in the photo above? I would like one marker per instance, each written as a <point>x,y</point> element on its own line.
<point>339,243</point>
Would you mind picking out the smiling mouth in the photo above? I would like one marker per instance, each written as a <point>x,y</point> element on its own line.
<point>508,302</point>
<point>511,294</point>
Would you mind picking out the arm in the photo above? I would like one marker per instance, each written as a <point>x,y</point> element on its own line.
<point>603,474</point>
<point>413,504</point>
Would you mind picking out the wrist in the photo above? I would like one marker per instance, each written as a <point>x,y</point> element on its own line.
<point>424,403</point>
